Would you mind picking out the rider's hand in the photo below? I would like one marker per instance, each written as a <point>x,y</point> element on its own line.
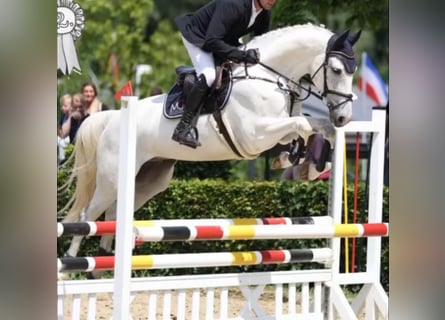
<point>251,56</point>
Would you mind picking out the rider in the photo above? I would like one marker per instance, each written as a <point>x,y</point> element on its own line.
<point>212,33</point>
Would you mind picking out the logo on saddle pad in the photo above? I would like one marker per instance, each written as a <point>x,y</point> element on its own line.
<point>177,106</point>
<point>174,105</point>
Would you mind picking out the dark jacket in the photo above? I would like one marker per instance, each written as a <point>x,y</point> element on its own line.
<point>217,26</point>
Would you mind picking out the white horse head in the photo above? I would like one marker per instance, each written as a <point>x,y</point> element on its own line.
<point>257,117</point>
<point>335,80</point>
<point>326,57</point>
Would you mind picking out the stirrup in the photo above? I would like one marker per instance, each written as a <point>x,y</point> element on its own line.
<point>191,144</point>
<point>181,137</point>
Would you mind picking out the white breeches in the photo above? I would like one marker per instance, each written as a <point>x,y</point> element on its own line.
<point>202,61</point>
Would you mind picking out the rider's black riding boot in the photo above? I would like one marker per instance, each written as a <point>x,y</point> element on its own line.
<point>185,130</point>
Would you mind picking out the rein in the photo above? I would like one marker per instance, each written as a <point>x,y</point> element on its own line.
<point>294,94</point>
<point>278,82</point>
<point>289,80</point>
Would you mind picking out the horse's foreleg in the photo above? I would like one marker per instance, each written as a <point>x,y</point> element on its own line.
<point>320,125</point>
<point>283,130</point>
<point>307,126</point>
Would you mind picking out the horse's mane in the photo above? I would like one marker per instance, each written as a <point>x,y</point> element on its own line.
<point>273,34</point>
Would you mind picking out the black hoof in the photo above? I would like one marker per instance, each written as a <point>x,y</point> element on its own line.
<point>325,156</point>
<point>297,151</point>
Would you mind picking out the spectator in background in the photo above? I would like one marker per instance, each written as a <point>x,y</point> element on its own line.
<point>92,103</point>
<point>65,108</point>
<point>62,142</point>
<point>83,104</point>
<point>75,119</point>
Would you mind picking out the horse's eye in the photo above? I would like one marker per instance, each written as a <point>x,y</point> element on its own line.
<point>336,70</point>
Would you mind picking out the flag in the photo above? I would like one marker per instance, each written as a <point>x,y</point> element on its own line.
<point>376,88</point>
<point>126,90</point>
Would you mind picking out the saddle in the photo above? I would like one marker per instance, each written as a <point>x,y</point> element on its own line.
<point>216,100</point>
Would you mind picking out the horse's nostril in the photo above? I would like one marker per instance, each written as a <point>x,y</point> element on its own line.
<point>341,120</point>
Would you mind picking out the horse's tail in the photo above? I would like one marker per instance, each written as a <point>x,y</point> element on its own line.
<point>84,169</point>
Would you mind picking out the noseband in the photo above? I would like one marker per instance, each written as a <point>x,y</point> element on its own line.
<point>326,90</point>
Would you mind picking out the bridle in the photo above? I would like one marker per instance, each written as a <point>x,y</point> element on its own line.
<point>326,90</point>
<point>296,95</point>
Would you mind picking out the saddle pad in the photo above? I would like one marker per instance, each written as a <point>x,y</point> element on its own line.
<point>174,105</point>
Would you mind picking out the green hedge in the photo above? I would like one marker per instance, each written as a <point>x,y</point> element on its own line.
<point>186,199</point>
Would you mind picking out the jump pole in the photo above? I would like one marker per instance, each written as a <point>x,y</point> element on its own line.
<point>125,207</point>
<point>96,228</point>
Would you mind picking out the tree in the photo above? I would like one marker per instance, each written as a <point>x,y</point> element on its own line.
<point>165,54</point>
<point>111,27</point>
<point>370,16</point>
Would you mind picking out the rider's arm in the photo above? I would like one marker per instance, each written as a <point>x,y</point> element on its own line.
<point>225,17</point>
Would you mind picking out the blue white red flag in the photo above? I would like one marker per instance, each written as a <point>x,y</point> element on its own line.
<point>370,78</point>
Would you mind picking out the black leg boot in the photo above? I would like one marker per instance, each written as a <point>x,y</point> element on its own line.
<point>185,132</point>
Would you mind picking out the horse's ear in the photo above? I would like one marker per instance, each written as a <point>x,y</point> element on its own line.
<point>341,38</point>
<point>353,38</point>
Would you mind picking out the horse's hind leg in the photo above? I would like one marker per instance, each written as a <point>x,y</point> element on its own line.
<point>152,178</point>
<point>103,198</point>
<point>106,242</point>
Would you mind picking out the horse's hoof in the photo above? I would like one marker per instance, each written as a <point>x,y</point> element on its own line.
<point>63,276</point>
<point>325,156</point>
<point>303,171</point>
<point>313,173</point>
<point>282,161</point>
